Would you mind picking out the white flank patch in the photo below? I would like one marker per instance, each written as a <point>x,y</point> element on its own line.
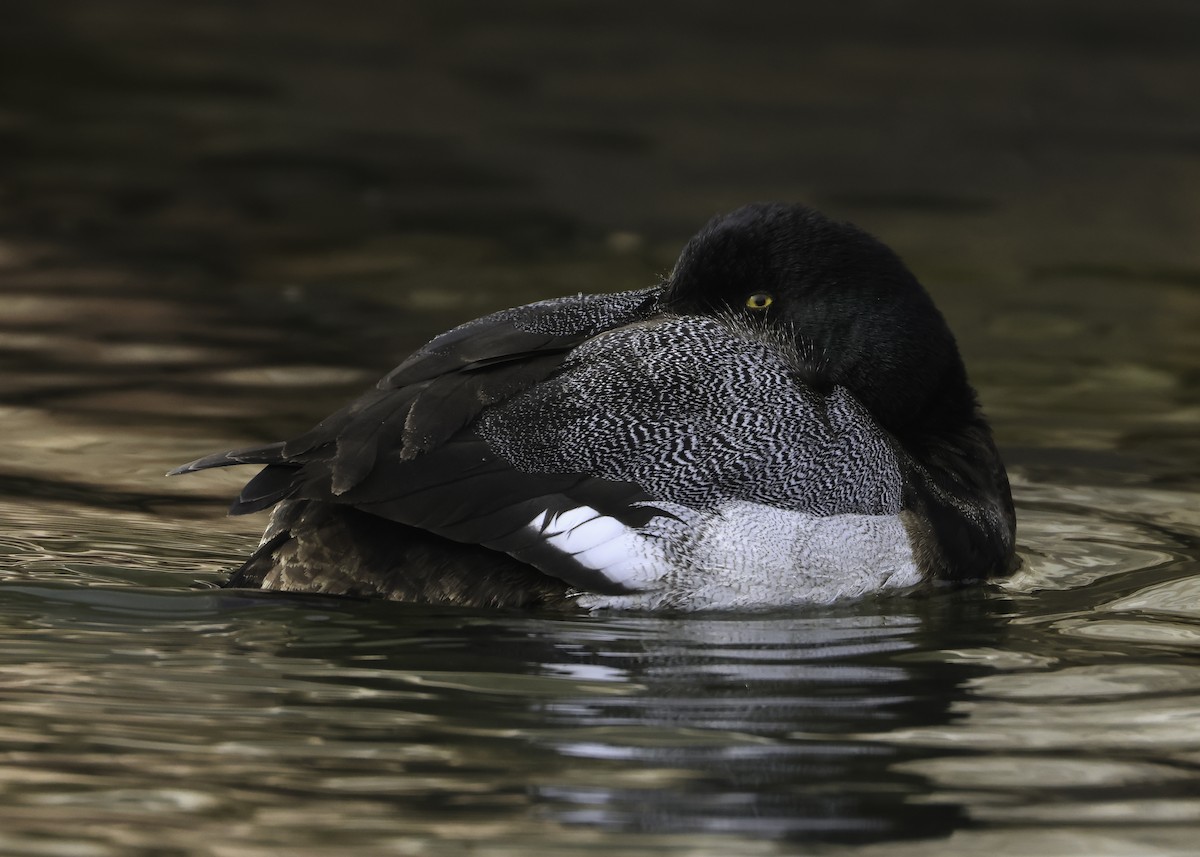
<point>739,556</point>
<point>748,556</point>
<point>600,543</point>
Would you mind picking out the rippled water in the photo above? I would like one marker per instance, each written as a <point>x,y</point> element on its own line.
<point>217,225</point>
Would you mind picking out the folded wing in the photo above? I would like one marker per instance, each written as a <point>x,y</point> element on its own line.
<point>406,451</point>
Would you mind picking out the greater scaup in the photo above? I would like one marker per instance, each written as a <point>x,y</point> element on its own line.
<point>785,419</point>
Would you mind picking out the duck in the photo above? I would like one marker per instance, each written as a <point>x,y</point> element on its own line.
<point>783,420</point>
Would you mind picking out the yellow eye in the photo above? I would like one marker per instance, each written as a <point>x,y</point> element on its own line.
<point>759,300</point>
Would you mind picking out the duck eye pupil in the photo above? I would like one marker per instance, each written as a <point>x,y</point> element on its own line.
<point>759,300</point>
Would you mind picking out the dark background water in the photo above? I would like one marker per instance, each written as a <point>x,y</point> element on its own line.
<point>218,221</point>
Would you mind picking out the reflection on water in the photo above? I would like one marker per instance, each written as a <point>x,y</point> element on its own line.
<point>279,708</point>
<point>284,722</point>
<point>216,226</point>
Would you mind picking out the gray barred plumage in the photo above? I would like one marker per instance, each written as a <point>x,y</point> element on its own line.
<point>694,413</point>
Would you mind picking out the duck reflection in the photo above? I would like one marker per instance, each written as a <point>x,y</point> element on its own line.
<point>753,726</point>
<point>764,725</point>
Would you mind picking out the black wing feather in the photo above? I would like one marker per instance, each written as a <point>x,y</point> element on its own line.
<point>406,451</point>
<point>273,483</point>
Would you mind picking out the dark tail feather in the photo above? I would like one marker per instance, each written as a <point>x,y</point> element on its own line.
<point>273,483</point>
<point>259,565</point>
<point>272,453</point>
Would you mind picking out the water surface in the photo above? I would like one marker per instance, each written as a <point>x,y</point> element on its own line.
<point>216,226</point>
